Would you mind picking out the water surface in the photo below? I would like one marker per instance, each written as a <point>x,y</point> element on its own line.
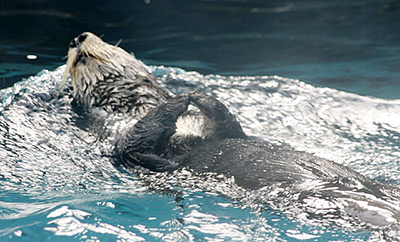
<point>59,181</point>
<point>347,45</point>
<point>299,73</point>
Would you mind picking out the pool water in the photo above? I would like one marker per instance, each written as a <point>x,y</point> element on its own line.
<point>347,45</point>
<point>59,182</point>
<point>319,76</point>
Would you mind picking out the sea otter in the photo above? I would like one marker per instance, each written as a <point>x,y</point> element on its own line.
<point>105,76</point>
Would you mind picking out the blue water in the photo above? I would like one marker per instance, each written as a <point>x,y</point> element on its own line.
<point>321,76</point>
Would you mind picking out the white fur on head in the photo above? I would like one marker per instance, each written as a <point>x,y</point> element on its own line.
<point>93,60</point>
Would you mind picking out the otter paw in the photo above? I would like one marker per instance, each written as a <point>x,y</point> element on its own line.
<point>210,106</point>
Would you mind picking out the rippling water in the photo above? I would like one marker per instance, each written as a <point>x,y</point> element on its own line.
<point>58,181</point>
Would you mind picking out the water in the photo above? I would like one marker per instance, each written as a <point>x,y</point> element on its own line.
<point>58,182</point>
<point>347,45</point>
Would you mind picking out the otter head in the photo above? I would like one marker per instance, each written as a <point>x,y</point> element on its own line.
<point>95,67</point>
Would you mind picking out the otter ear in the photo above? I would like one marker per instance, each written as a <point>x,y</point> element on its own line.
<point>148,139</point>
<point>226,124</point>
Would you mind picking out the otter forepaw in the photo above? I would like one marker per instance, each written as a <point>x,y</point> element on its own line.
<point>226,124</point>
<point>210,106</point>
<point>151,134</point>
<point>178,104</point>
<point>167,113</point>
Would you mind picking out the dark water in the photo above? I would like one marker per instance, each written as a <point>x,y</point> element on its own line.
<point>347,45</point>
<point>57,181</point>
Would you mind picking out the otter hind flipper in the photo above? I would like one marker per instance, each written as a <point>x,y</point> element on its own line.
<point>146,142</point>
<point>226,124</point>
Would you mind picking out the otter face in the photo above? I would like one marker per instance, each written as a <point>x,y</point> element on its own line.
<point>87,47</point>
<point>88,59</point>
<point>97,67</point>
<point>78,40</point>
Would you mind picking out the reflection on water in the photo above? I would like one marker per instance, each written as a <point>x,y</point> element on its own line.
<point>348,45</point>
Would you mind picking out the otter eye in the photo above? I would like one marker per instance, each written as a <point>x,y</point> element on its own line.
<point>82,38</point>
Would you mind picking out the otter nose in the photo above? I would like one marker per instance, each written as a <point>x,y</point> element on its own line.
<point>78,40</point>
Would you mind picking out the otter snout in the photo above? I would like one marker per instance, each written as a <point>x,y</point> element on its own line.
<point>78,40</point>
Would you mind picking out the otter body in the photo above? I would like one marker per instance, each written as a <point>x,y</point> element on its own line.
<point>168,137</point>
<point>255,165</point>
